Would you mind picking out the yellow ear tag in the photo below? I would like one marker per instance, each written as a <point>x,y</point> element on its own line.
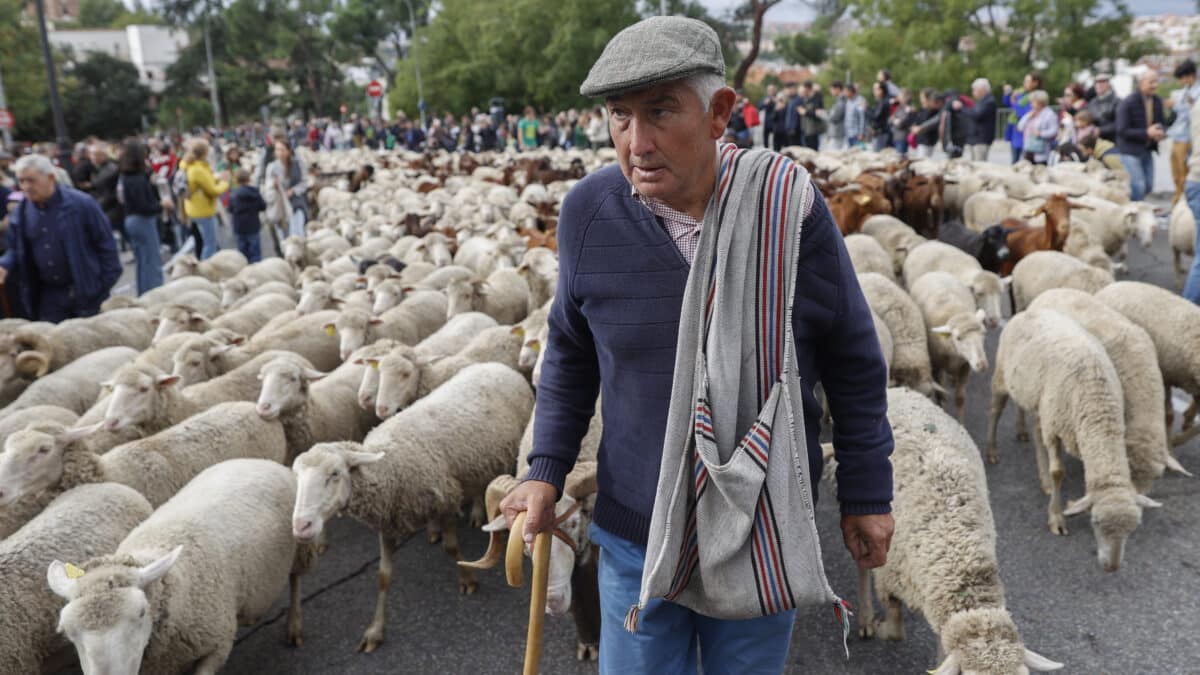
<point>374,364</point>
<point>863,200</point>
<point>73,572</point>
<point>330,331</point>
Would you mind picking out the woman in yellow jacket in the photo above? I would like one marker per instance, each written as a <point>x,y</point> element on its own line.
<point>203,191</point>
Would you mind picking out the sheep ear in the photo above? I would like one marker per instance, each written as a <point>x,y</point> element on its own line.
<point>154,321</point>
<point>375,321</point>
<point>217,351</point>
<point>1038,663</point>
<point>337,301</point>
<point>311,374</point>
<point>940,330</point>
<point>518,330</point>
<point>497,525</point>
<point>198,319</point>
<point>1146,502</point>
<point>356,459</point>
<point>157,569</point>
<point>1078,506</point>
<point>360,280</point>
<point>73,434</point>
<point>61,581</point>
<point>980,314</point>
<point>166,381</point>
<point>948,667</point>
<point>1077,205</point>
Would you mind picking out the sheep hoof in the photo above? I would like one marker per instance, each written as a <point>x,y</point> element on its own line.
<point>370,640</point>
<point>886,631</point>
<point>1046,488</point>
<point>1058,525</point>
<point>435,536</point>
<point>587,652</point>
<point>993,456</point>
<point>866,631</point>
<point>296,640</point>
<point>1023,436</point>
<point>467,586</point>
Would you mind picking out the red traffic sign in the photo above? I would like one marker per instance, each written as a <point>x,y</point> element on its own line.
<point>375,89</point>
<point>6,119</point>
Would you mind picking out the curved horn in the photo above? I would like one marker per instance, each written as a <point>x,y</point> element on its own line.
<point>1038,663</point>
<point>491,557</point>
<point>1174,465</point>
<point>33,364</point>
<point>30,341</point>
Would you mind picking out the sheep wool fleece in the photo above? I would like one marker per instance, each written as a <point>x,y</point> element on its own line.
<point>732,534</point>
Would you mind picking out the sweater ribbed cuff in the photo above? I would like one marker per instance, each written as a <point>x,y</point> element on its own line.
<point>549,470</point>
<point>865,508</point>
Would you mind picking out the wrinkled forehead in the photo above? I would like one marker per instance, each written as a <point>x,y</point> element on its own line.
<point>676,92</point>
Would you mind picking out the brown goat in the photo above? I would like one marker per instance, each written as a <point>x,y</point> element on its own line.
<point>1024,239</point>
<point>923,204</point>
<point>852,205</point>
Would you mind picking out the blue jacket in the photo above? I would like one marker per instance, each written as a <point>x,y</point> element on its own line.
<point>1132,123</point>
<point>244,205</point>
<point>91,252</point>
<point>613,329</point>
<point>1019,102</point>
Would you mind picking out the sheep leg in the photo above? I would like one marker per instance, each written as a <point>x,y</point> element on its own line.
<point>999,400</point>
<point>960,392</point>
<point>1039,450</point>
<point>373,637</point>
<point>1179,274</point>
<point>866,605</point>
<point>1170,409</point>
<point>466,578</point>
<point>434,529</point>
<point>892,627</point>
<point>295,620</point>
<point>478,513</point>
<point>1057,521</point>
<point>1022,430</point>
<point>211,663</point>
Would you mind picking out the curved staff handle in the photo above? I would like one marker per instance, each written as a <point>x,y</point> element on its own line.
<point>541,575</point>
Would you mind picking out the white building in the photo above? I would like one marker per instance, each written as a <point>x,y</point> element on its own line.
<point>151,49</point>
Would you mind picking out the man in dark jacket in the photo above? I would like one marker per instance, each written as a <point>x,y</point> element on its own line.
<point>981,120</point>
<point>766,113</point>
<point>791,116</point>
<point>1140,126</point>
<point>812,123</point>
<point>61,251</point>
<point>245,204</point>
<point>1103,108</point>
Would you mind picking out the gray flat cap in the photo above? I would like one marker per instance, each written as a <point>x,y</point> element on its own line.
<point>654,50</point>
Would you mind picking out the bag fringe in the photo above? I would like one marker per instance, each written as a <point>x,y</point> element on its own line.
<point>841,609</point>
<point>631,619</point>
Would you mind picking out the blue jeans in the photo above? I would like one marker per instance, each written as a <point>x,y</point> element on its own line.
<point>251,246</point>
<point>881,141</point>
<point>208,232</point>
<point>1141,175</point>
<point>143,236</point>
<point>297,223</point>
<point>671,638</point>
<point>1191,289</point>
<point>1017,151</point>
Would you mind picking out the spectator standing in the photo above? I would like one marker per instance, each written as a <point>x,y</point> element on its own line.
<point>527,130</point>
<point>1103,108</point>
<point>104,189</point>
<point>82,167</point>
<point>837,117</point>
<point>1191,289</point>
<point>953,124</point>
<point>1038,127</point>
<point>597,131</point>
<point>766,112</point>
<point>143,203</point>
<point>579,137</point>
<point>884,77</point>
<point>855,121</point>
<point>244,206</point>
<point>925,127</point>
<point>980,119</point>
<point>287,174</point>
<point>877,117</point>
<point>1180,133</point>
<point>903,117</point>
<point>811,113</point>
<point>1140,126</point>
<point>61,255</point>
<point>753,119</point>
<point>1018,101</point>
<point>203,190</point>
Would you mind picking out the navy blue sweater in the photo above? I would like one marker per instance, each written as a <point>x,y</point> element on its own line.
<point>613,328</point>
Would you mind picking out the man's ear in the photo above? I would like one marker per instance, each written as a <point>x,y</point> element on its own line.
<point>722,109</point>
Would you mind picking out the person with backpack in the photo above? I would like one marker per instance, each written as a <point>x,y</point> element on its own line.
<point>203,190</point>
<point>137,193</point>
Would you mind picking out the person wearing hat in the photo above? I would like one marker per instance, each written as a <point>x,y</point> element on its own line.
<point>642,244</point>
<point>1103,108</point>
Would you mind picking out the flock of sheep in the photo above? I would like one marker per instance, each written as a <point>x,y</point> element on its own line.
<point>390,360</point>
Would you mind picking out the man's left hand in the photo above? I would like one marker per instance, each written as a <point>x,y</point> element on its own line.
<point>868,538</point>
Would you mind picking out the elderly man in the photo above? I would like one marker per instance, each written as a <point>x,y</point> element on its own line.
<point>1140,126</point>
<point>1103,107</point>
<point>981,119</point>
<point>61,251</point>
<point>660,309</point>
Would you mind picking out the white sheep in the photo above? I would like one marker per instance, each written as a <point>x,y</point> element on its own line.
<point>1055,370</point>
<point>910,352</point>
<point>245,320</point>
<point>1041,271</point>
<point>172,595</point>
<point>956,331</point>
<point>441,277</point>
<point>458,332</point>
<point>986,287</point>
<point>206,356</point>
<point>33,350</point>
<point>312,406</point>
<point>88,521</point>
<point>984,209</point>
<point>173,290</point>
<point>75,386</point>
<point>266,271</point>
<point>539,267</point>
<point>882,333</point>
<point>418,317</point>
<point>504,296</point>
<point>222,265</point>
<point>37,413</point>
<point>867,255</point>
<point>942,561</point>
<point>894,236</point>
<point>236,293</point>
<point>423,463</point>
<point>1182,232</point>
<point>1111,225</point>
<point>1132,353</point>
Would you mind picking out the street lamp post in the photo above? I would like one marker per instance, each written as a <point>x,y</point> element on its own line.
<point>60,125</point>
<point>412,40</point>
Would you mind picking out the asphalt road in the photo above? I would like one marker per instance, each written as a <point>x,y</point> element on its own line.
<point>1140,620</point>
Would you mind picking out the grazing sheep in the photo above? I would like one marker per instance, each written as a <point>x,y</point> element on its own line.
<point>34,350</point>
<point>539,267</point>
<point>1111,225</point>
<point>82,523</point>
<point>1172,323</point>
<point>1041,271</point>
<point>45,459</point>
<point>910,352</point>
<point>867,255</point>
<point>224,264</point>
<point>1058,372</point>
<point>416,318</point>
<point>213,576</point>
<point>894,236</point>
<point>504,296</point>
<point>1133,357</point>
<point>312,406</point>
<point>236,293</point>
<point>942,561</point>
<point>316,296</point>
<point>986,287</point>
<point>421,464</point>
<point>75,386</point>
<point>1182,229</point>
<point>253,315</point>
<point>956,331</point>
<point>173,290</point>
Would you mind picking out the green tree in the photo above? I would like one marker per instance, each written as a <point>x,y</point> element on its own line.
<point>804,49</point>
<point>99,13</point>
<point>361,27</point>
<point>24,75</point>
<point>102,97</point>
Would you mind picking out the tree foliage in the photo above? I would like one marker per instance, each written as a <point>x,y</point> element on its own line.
<point>113,14</point>
<point>803,49</point>
<point>23,72</point>
<point>103,97</point>
<point>361,27</point>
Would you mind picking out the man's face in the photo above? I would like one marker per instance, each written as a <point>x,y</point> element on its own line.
<point>98,156</point>
<point>836,91</point>
<point>771,90</point>
<point>978,92</point>
<point>664,137</point>
<point>36,185</point>
<point>1102,87</point>
<point>1029,83</point>
<point>1148,84</point>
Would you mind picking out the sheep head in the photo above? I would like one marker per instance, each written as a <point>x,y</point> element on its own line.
<point>985,640</point>
<point>108,614</point>
<point>32,460</point>
<point>399,375</point>
<point>966,332</point>
<point>351,327</point>
<point>464,295</point>
<point>1116,513</point>
<point>185,266</point>
<point>988,289</point>
<point>388,294</point>
<point>285,383</point>
<point>195,359</point>
<point>232,291</point>
<point>178,319</point>
<point>316,296</point>
<point>323,485</point>
<point>1138,218</point>
<point>138,395</point>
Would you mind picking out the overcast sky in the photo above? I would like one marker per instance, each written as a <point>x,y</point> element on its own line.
<point>794,10</point>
